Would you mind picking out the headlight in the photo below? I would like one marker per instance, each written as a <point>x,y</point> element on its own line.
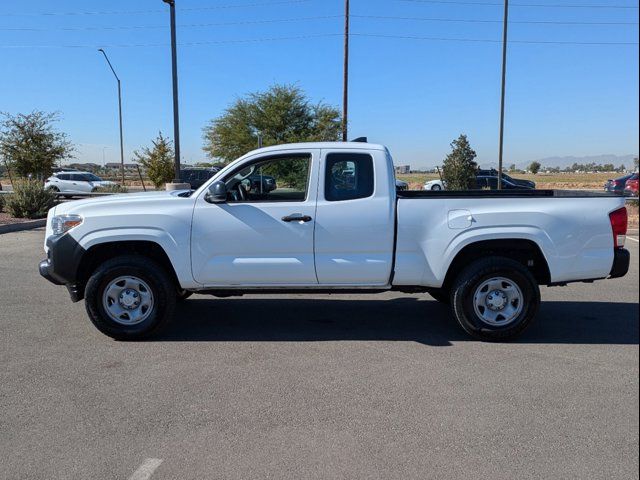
<point>63,223</point>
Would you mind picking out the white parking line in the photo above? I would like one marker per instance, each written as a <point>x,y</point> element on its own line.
<point>147,468</point>
<point>634,239</point>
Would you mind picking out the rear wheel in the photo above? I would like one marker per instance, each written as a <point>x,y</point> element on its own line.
<point>440,295</point>
<point>495,299</point>
<point>130,297</point>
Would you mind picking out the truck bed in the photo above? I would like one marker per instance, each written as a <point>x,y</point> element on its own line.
<point>573,232</point>
<point>533,193</point>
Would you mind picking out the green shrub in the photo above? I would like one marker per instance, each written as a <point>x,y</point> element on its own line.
<point>115,188</point>
<point>1,202</point>
<point>29,200</point>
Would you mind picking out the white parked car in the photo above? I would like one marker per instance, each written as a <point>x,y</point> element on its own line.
<point>334,223</point>
<point>433,185</point>
<point>75,182</point>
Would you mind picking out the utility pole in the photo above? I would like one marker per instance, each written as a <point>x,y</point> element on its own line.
<point>504,73</point>
<point>103,150</point>
<point>119,115</point>
<point>345,80</point>
<point>174,74</point>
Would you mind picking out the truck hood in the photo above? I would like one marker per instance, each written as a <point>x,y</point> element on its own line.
<point>117,201</point>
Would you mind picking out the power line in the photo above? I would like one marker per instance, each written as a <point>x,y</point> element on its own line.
<point>187,25</point>
<point>463,20</point>
<point>485,40</point>
<point>321,35</point>
<point>182,44</point>
<point>531,5</point>
<point>301,19</point>
<point>142,12</point>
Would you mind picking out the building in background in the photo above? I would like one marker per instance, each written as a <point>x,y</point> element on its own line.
<point>115,166</point>
<point>402,169</point>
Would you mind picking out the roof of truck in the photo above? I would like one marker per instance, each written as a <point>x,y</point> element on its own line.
<point>327,145</point>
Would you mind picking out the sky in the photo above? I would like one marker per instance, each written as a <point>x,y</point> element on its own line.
<point>421,71</point>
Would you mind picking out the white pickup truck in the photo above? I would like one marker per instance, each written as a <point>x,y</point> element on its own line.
<point>330,220</point>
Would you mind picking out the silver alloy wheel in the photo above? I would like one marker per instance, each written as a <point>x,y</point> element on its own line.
<point>436,187</point>
<point>127,300</point>
<point>498,301</point>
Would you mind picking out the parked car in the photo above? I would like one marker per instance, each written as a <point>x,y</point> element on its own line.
<point>71,183</point>
<point>483,182</point>
<point>490,182</point>
<point>401,185</point>
<point>631,185</point>
<point>515,181</point>
<point>485,252</point>
<point>262,183</point>
<point>434,185</point>
<point>617,185</point>
<point>197,176</point>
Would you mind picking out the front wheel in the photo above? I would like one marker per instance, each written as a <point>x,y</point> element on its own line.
<point>436,187</point>
<point>182,295</point>
<point>130,297</point>
<point>495,299</point>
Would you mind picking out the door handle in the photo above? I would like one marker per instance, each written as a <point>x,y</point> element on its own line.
<point>296,217</point>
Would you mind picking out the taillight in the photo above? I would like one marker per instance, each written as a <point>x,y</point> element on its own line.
<point>618,219</point>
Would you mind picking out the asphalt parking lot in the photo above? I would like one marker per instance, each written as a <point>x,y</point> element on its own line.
<point>382,386</point>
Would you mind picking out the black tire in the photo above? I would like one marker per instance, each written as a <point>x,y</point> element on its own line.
<point>53,189</point>
<point>472,277</point>
<point>436,187</point>
<point>160,283</point>
<point>440,295</point>
<point>182,295</point>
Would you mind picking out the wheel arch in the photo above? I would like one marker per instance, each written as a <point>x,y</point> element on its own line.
<point>525,251</point>
<point>98,253</point>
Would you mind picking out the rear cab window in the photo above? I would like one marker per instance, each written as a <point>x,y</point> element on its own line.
<point>348,176</point>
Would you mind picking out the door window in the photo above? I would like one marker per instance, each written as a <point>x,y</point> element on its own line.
<point>348,176</point>
<point>277,179</point>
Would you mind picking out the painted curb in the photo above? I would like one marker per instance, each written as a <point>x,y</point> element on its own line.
<point>18,227</point>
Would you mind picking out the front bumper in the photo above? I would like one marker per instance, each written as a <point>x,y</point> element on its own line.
<point>62,265</point>
<point>621,260</point>
<point>46,271</point>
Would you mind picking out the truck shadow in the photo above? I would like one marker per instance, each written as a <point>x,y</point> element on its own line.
<point>402,319</point>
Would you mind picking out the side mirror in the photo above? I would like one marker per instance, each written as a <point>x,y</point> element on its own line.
<point>217,193</point>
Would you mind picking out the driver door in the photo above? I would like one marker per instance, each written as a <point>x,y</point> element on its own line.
<point>263,234</point>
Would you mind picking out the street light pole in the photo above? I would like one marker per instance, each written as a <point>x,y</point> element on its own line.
<point>345,79</point>
<point>119,114</point>
<point>103,150</point>
<point>504,73</point>
<point>174,74</point>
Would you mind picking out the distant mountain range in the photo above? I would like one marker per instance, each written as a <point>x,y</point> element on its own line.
<point>562,162</point>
